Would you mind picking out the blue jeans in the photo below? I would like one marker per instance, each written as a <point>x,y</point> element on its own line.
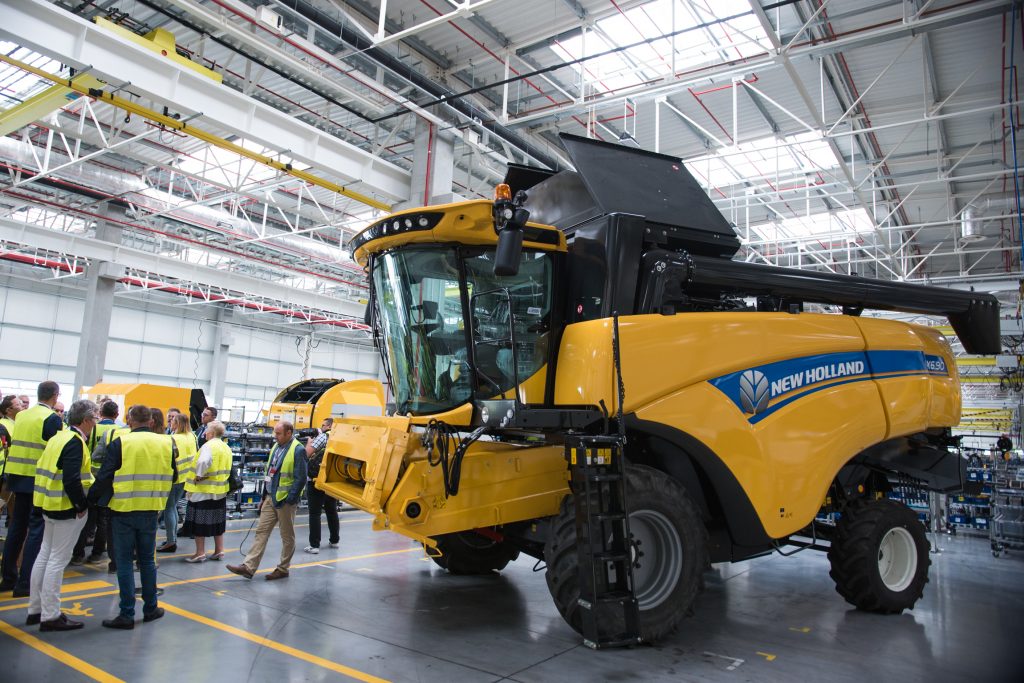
<point>33,542</point>
<point>171,512</point>
<point>20,535</point>
<point>135,531</point>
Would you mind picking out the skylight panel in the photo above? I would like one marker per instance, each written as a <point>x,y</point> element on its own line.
<point>816,225</point>
<point>767,159</point>
<point>224,167</point>
<point>17,85</point>
<point>708,41</point>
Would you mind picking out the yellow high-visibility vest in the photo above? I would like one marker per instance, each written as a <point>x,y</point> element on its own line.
<point>288,470</point>
<point>49,491</point>
<point>110,433</point>
<point>101,431</point>
<point>27,442</point>
<point>8,424</point>
<point>216,480</point>
<point>186,462</point>
<point>145,476</point>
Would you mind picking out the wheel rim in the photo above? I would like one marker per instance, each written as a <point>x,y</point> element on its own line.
<point>662,560</point>
<point>897,559</point>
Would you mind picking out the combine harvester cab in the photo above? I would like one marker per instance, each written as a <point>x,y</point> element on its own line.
<point>590,327</point>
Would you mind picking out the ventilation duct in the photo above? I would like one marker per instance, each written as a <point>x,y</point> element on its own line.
<point>970,226</point>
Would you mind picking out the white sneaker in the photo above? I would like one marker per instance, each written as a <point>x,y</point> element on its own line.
<point>334,545</point>
<point>311,550</point>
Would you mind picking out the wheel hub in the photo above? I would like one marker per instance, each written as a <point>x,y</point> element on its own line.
<point>897,559</point>
<point>657,567</point>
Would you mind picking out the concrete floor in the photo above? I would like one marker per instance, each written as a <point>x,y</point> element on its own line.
<point>377,609</point>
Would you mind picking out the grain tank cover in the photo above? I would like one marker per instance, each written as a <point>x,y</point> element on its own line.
<point>612,178</point>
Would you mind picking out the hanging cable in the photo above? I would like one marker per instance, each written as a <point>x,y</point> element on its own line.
<point>199,346</point>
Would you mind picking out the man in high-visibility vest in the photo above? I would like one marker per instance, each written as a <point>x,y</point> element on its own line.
<point>33,427</point>
<point>134,480</point>
<point>63,476</point>
<point>284,481</point>
<point>97,524</point>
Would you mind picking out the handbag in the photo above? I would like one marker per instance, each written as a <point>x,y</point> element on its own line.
<point>234,481</point>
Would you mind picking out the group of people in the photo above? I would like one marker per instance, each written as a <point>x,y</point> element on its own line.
<point>100,483</point>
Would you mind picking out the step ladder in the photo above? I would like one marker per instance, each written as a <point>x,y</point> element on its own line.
<point>610,616</point>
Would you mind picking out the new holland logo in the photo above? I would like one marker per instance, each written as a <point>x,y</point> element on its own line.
<point>755,391</point>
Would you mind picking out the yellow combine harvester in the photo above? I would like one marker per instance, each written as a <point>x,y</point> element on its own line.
<point>308,402</point>
<point>589,328</point>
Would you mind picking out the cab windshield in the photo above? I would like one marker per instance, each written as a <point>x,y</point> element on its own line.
<point>445,322</point>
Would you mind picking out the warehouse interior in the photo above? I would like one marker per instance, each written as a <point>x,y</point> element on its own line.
<point>182,183</point>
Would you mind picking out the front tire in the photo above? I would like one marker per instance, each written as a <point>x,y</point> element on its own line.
<point>879,556</point>
<point>470,553</point>
<point>673,540</point>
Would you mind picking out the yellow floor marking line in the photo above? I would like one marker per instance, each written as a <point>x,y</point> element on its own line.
<point>802,629</point>
<point>84,586</point>
<point>267,570</point>
<point>770,658</point>
<point>61,656</point>
<point>273,645</point>
<point>71,574</point>
<point>72,588</point>
<point>204,579</point>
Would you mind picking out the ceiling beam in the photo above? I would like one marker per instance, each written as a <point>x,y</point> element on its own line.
<point>55,32</point>
<point>165,266</point>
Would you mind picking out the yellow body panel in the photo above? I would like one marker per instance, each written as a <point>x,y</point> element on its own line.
<point>500,483</point>
<point>468,223</point>
<point>150,395</point>
<point>786,454</point>
<point>360,396</point>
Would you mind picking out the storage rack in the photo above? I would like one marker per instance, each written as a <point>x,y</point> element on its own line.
<point>971,510</point>
<point>256,443</point>
<point>1007,528</point>
<point>233,438</point>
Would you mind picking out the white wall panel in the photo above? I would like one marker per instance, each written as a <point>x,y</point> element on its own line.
<point>39,335</point>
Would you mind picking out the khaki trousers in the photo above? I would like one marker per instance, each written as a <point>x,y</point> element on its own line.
<point>269,518</point>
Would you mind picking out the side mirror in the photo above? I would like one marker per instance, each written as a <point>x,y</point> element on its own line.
<point>509,220</point>
<point>509,251</point>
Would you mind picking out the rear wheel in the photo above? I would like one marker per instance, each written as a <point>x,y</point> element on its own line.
<point>669,544</point>
<point>879,556</point>
<point>468,552</point>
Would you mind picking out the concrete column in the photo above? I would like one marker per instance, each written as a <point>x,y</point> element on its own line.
<point>100,279</point>
<point>433,166</point>
<point>222,341</point>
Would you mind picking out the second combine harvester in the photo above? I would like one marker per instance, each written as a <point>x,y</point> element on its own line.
<point>598,312</point>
